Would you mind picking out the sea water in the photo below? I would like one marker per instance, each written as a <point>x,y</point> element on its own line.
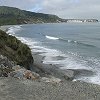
<point>73,46</point>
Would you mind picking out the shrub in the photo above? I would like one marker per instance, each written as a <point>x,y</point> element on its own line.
<point>15,50</point>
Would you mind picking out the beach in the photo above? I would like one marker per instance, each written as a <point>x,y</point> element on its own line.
<point>15,89</point>
<point>47,69</point>
<point>66,89</point>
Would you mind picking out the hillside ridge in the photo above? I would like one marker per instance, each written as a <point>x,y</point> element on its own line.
<point>11,15</point>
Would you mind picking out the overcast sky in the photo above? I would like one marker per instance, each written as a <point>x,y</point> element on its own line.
<point>62,8</point>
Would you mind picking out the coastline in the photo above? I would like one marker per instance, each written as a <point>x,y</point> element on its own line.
<point>50,69</point>
<point>67,89</point>
<point>46,69</point>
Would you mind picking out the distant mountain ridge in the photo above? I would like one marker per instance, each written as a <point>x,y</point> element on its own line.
<point>11,15</point>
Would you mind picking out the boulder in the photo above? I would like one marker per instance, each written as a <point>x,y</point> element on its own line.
<point>6,62</point>
<point>2,66</point>
<point>28,75</point>
<point>31,75</point>
<point>18,74</point>
<point>22,73</point>
<point>16,67</point>
<point>35,74</point>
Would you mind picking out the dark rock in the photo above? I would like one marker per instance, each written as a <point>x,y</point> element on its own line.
<point>5,74</point>
<point>2,66</point>
<point>0,73</point>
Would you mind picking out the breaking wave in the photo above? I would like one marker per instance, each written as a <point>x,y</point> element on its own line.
<point>70,41</point>
<point>11,30</point>
<point>52,38</point>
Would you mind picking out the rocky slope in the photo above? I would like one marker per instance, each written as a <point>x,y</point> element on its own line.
<point>18,83</point>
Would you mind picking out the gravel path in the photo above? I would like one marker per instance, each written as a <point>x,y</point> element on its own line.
<point>15,89</point>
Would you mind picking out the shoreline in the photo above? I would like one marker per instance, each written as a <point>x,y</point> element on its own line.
<point>50,69</point>
<point>47,88</point>
<point>46,69</point>
<point>54,70</point>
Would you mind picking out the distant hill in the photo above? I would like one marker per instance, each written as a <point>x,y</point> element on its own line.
<point>15,50</point>
<point>11,15</point>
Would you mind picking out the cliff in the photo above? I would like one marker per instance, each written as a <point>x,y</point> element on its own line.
<point>15,51</point>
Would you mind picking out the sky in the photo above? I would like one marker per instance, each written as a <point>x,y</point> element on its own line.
<point>62,8</point>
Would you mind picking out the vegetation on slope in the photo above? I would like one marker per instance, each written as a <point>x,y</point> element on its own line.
<point>10,15</point>
<point>15,50</point>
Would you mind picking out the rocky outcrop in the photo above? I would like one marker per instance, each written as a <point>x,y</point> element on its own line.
<point>5,66</point>
<point>23,73</point>
<point>10,69</point>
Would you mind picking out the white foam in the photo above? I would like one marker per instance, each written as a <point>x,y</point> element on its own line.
<point>17,26</point>
<point>67,63</point>
<point>95,79</point>
<point>69,41</point>
<point>28,41</point>
<point>13,29</point>
<point>72,41</point>
<point>52,38</point>
<point>10,31</point>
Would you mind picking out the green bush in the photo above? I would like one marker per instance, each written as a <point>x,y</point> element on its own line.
<point>15,50</point>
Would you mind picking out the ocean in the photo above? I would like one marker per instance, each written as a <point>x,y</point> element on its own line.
<point>73,46</point>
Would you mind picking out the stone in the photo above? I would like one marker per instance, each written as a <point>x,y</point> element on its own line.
<point>1,57</point>
<point>17,67</point>
<point>0,73</point>
<point>31,75</point>
<point>2,66</point>
<point>5,74</point>
<point>35,74</point>
<point>18,74</point>
<point>28,75</point>
<point>22,73</point>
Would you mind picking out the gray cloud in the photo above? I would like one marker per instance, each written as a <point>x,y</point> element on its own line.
<point>62,8</point>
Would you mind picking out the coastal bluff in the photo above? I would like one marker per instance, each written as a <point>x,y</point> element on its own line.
<point>15,50</point>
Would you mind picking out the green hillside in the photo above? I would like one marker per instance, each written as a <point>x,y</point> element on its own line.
<point>10,15</point>
<point>15,50</point>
